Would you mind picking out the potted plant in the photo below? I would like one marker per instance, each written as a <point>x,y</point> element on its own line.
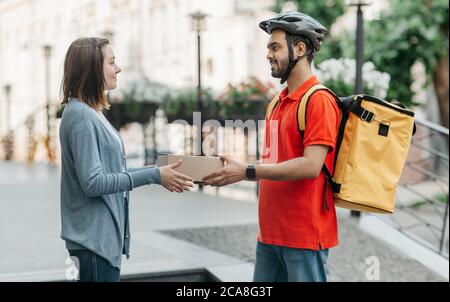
<point>182,103</point>
<point>247,100</point>
<point>137,102</point>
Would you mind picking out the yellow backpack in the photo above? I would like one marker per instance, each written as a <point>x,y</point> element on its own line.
<point>372,146</point>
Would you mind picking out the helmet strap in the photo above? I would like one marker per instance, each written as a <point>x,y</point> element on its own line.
<point>292,61</point>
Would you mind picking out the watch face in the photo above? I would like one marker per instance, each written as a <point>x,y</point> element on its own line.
<point>251,172</point>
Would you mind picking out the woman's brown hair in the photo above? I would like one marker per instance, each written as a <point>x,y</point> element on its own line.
<point>83,73</point>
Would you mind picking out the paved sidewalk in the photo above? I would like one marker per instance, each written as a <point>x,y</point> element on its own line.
<point>347,261</point>
<point>170,232</point>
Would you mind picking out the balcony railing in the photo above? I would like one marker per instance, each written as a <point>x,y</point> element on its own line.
<point>422,195</point>
<point>422,207</point>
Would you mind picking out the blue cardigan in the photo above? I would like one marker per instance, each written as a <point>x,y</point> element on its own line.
<point>94,210</point>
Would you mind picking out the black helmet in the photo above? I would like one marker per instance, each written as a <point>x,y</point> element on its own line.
<point>296,23</point>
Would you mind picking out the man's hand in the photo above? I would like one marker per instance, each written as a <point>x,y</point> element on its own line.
<point>234,171</point>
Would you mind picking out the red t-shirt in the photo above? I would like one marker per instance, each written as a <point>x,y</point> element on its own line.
<point>292,213</point>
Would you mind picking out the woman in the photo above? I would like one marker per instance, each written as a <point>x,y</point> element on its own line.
<point>95,180</point>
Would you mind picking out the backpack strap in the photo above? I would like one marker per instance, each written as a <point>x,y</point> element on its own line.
<point>273,103</point>
<point>301,119</point>
<point>301,114</point>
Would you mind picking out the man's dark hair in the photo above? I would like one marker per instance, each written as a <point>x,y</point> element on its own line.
<point>297,39</point>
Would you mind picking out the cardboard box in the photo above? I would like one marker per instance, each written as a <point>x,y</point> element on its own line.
<point>196,167</point>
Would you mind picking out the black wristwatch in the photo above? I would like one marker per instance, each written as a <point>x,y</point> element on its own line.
<point>251,172</point>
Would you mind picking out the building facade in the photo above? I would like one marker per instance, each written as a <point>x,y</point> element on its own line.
<point>149,37</point>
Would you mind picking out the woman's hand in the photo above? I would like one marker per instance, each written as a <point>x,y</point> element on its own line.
<point>173,180</point>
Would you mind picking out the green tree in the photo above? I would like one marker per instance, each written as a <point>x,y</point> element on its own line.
<point>406,32</point>
<point>324,11</point>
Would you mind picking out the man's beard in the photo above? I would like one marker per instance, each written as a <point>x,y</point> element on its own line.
<point>280,67</point>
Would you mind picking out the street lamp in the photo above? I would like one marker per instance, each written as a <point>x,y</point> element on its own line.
<point>47,55</point>
<point>9,136</point>
<point>8,107</point>
<point>198,25</point>
<point>359,86</point>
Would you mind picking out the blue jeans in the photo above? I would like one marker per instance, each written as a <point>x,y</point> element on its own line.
<point>93,268</point>
<point>283,264</point>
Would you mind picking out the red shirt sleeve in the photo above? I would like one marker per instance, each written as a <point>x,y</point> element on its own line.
<point>322,121</point>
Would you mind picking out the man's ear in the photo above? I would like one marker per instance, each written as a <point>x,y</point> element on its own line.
<point>300,49</point>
